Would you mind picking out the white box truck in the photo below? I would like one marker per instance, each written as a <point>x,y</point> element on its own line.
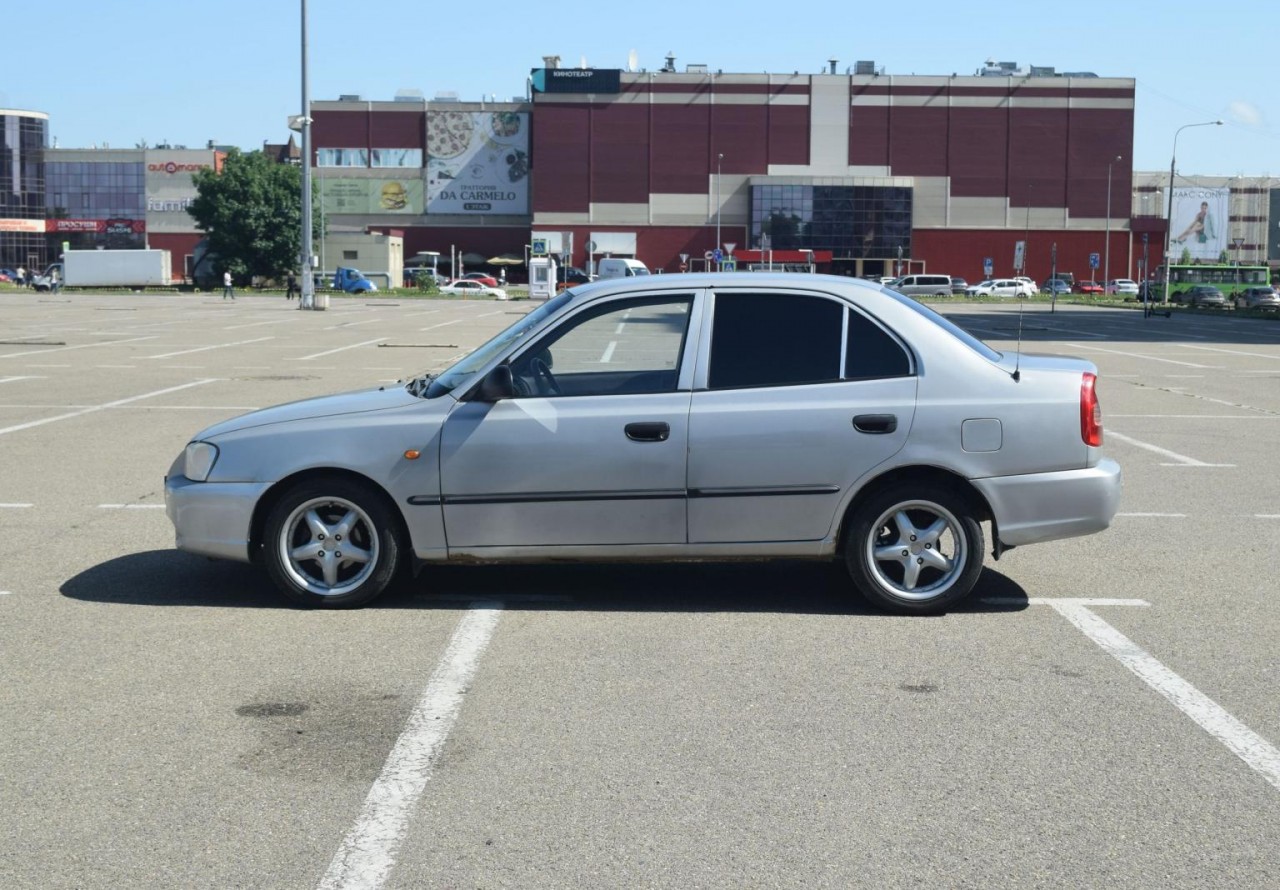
<point>109,268</point>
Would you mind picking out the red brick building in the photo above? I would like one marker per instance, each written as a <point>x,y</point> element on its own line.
<point>942,172</point>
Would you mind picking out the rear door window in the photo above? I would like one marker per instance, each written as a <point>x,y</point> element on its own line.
<point>761,339</point>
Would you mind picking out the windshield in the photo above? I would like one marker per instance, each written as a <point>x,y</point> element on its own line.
<point>950,327</point>
<point>452,377</point>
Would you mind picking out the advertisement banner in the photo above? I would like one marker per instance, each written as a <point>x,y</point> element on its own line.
<point>1198,224</point>
<point>35,226</point>
<point>478,162</point>
<point>1273,232</point>
<point>365,196</point>
<point>169,186</point>
<point>98,226</point>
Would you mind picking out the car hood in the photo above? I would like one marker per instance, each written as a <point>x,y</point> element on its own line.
<point>358,402</point>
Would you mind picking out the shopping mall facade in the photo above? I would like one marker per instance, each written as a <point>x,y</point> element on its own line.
<point>865,172</point>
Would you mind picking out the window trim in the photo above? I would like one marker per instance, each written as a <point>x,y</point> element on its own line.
<point>702,372</point>
<point>596,308</point>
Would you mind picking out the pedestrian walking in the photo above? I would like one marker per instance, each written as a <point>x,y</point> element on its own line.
<point>227,289</point>
<point>55,281</point>
<point>22,276</point>
<point>291,287</point>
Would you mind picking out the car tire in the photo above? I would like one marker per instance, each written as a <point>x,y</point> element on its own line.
<point>914,549</point>
<point>328,514</point>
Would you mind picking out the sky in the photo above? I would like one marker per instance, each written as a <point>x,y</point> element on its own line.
<point>121,72</point>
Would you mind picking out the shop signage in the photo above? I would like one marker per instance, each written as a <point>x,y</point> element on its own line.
<point>477,162</point>
<point>577,80</point>
<point>171,168</point>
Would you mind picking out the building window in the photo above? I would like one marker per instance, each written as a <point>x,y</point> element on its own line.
<point>396,157</point>
<point>342,157</point>
<point>850,221</point>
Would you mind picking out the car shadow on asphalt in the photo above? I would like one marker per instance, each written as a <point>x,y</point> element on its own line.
<point>173,578</point>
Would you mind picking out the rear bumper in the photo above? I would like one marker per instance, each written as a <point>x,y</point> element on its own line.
<point>212,518</point>
<point>1047,506</point>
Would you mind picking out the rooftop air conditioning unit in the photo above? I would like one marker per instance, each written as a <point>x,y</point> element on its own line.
<point>864,68</point>
<point>350,97</point>
<point>695,69</point>
<point>446,96</point>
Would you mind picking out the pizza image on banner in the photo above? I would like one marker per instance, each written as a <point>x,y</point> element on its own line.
<point>449,133</point>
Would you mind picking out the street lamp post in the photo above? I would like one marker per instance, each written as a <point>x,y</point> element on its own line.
<point>1106,248</point>
<point>307,298</point>
<point>1168,219</point>
<point>719,158</point>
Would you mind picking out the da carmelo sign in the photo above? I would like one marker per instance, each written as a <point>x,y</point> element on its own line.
<point>478,162</point>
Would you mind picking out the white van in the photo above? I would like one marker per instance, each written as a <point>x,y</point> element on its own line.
<point>922,285</point>
<point>615,267</point>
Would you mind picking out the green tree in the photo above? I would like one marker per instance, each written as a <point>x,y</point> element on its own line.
<point>252,213</point>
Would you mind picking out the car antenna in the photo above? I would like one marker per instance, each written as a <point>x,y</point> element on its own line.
<point>1017,362</point>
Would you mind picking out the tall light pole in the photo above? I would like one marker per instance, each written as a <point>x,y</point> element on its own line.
<point>1168,218</point>
<point>307,298</point>
<point>719,158</point>
<point>1106,248</point>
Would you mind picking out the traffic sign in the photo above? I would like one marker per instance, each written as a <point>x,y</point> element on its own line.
<point>1094,260</point>
<point>729,265</point>
<point>538,247</point>
<point>717,254</point>
<point>988,266</point>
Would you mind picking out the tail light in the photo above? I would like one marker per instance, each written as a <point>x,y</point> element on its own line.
<point>1090,411</point>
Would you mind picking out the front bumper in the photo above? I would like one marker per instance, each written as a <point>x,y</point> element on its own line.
<point>1047,506</point>
<point>212,518</point>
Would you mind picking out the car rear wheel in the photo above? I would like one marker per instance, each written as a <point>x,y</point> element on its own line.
<point>914,548</point>
<point>332,543</point>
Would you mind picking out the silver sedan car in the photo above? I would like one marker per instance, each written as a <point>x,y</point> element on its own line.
<point>673,417</point>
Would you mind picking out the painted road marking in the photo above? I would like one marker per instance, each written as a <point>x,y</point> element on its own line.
<point>207,348</point>
<point>1155,515</point>
<point>1233,351</point>
<point>105,405</point>
<point>1239,739</point>
<point>16,379</point>
<point>131,506</point>
<point>1243,742</point>
<point>368,853</point>
<point>1182,459</point>
<point>1140,355</point>
<point>306,358</point>
<point>443,324</point>
<point>15,506</point>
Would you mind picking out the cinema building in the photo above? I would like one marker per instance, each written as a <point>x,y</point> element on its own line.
<point>865,172</point>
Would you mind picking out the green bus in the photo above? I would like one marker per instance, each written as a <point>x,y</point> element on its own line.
<point>1225,277</point>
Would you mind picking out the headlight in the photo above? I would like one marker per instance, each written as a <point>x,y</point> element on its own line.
<point>199,459</point>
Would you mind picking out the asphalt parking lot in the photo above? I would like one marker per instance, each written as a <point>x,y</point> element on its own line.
<point>1102,713</point>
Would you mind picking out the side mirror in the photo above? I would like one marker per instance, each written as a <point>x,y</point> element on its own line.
<point>495,386</point>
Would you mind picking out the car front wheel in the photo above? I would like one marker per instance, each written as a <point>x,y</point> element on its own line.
<point>332,543</point>
<point>914,549</point>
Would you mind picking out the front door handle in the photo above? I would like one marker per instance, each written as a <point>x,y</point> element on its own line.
<point>875,424</point>
<point>648,432</point>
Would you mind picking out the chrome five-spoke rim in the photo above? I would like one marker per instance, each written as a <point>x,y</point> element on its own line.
<point>328,546</point>
<point>917,550</point>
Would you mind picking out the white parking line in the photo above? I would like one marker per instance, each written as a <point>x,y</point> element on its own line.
<point>368,853</point>
<point>207,348</point>
<point>1233,352</point>
<point>442,324</point>
<point>105,405</point>
<point>1155,515</point>
<point>15,506</point>
<point>339,349</point>
<point>1241,741</point>
<point>16,379</point>
<point>1140,355</point>
<point>131,506</point>
<point>1182,459</point>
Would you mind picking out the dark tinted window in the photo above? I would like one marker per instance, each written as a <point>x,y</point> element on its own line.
<point>774,340</point>
<point>872,352</point>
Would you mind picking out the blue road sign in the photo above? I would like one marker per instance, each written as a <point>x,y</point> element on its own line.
<point>1094,260</point>
<point>988,266</point>
<point>717,254</point>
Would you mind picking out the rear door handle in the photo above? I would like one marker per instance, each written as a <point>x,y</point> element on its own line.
<point>648,432</point>
<point>875,424</point>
